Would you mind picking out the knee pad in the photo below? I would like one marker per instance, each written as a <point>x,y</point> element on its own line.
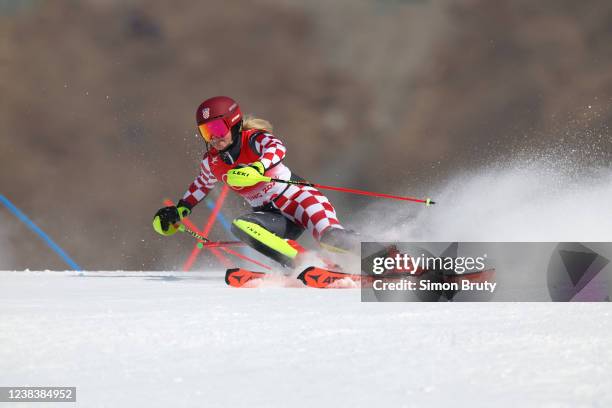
<point>264,241</point>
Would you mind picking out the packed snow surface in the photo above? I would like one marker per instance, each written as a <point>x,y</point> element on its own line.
<point>173,339</point>
<point>143,339</point>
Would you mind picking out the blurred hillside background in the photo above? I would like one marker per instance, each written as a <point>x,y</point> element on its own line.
<point>98,99</point>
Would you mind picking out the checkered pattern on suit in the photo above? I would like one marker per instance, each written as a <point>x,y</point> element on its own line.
<point>306,206</point>
<point>202,184</point>
<point>270,148</point>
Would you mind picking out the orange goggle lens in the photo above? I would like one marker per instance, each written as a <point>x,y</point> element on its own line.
<point>216,128</point>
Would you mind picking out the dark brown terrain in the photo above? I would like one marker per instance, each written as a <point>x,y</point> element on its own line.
<point>98,100</point>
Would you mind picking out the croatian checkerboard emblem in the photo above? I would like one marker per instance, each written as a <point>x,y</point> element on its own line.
<point>206,113</point>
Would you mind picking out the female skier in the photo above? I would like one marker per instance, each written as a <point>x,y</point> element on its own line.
<point>239,148</point>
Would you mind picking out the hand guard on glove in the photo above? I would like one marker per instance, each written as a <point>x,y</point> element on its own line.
<point>246,175</point>
<point>165,219</point>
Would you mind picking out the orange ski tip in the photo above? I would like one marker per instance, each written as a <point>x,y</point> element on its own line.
<point>237,277</point>
<point>316,277</point>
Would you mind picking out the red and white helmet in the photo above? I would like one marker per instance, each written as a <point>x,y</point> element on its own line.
<point>216,116</point>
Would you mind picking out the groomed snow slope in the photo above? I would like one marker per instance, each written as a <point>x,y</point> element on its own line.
<point>185,339</point>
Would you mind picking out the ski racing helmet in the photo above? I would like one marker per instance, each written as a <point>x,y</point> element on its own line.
<point>216,116</point>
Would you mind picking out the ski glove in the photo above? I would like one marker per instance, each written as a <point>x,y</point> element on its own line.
<point>246,176</point>
<point>166,218</point>
<point>258,166</point>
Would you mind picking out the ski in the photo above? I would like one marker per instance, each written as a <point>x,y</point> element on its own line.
<point>316,277</point>
<point>312,276</point>
<point>238,277</point>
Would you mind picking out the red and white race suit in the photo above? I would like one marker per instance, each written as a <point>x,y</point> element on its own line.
<point>305,206</point>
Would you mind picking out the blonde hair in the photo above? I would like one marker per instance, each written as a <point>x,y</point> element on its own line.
<point>251,122</point>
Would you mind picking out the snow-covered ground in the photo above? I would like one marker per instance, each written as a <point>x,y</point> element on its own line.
<point>145,339</point>
<point>172,339</point>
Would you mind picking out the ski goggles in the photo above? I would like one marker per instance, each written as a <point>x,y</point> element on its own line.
<point>215,129</point>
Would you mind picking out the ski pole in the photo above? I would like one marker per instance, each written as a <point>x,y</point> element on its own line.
<point>205,242</point>
<point>426,201</point>
<point>184,228</point>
